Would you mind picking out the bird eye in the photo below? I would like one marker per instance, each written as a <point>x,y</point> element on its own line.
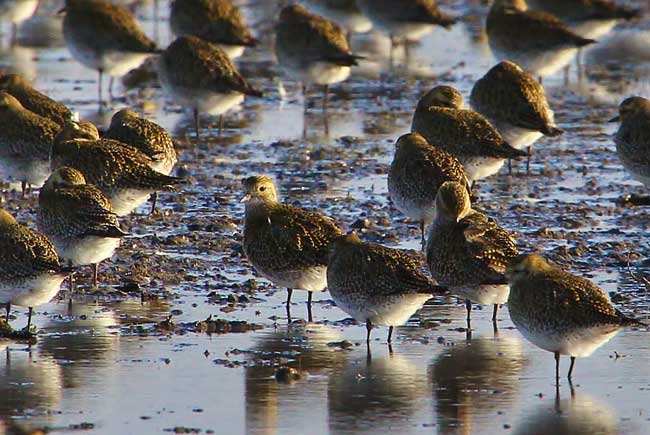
<point>262,189</point>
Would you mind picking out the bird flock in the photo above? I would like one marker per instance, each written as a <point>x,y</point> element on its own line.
<point>89,181</point>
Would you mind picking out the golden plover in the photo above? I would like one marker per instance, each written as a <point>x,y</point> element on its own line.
<point>120,171</point>
<point>312,49</point>
<point>376,285</point>
<point>463,133</point>
<point>417,171</point>
<point>285,244</point>
<point>537,41</point>
<point>199,75</point>
<point>105,37</point>
<point>467,251</point>
<point>343,12</point>
<point>34,100</point>
<point>25,142</point>
<point>30,271</point>
<point>633,138</point>
<point>216,21</point>
<point>515,103</point>
<point>560,312</point>
<point>78,219</point>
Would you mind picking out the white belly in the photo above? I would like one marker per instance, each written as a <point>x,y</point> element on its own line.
<point>594,29</point>
<point>320,73</point>
<point>233,51</point>
<point>539,63</point>
<point>204,101</point>
<point>478,168</point>
<point>113,63</point>
<point>34,172</point>
<point>31,292</point>
<point>88,250</point>
<point>580,343</point>
<point>354,21</point>
<point>126,200</point>
<point>518,137</point>
<point>419,212</point>
<point>484,294</point>
<point>313,279</point>
<point>390,311</point>
<point>164,166</point>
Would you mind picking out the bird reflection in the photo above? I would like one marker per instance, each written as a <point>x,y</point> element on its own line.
<point>466,377</point>
<point>29,384</point>
<point>575,415</point>
<point>270,403</point>
<point>371,394</point>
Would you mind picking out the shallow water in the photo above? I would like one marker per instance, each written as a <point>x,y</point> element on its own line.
<point>104,366</point>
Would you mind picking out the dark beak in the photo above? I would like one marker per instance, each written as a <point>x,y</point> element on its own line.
<point>615,119</point>
<point>61,11</point>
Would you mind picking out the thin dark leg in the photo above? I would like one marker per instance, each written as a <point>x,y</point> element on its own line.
<point>494,313</point>
<point>309,297</point>
<point>288,303</point>
<point>154,199</point>
<point>368,329</point>
<point>8,308</point>
<point>110,88</point>
<point>23,188</point>
<point>423,242</point>
<point>509,166</point>
<point>95,274</point>
<point>196,123</point>
<point>99,86</point>
<point>468,306</point>
<point>541,80</point>
<point>390,334</point>
<point>304,97</point>
<point>220,125</point>
<point>326,89</point>
<point>29,318</point>
<point>573,362</point>
<point>528,162</point>
<point>473,185</point>
<point>557,367</point>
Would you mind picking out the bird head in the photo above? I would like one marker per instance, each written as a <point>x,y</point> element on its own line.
<point>259,188</point>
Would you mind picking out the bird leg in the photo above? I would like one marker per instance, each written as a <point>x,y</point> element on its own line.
<point>99,87</point>
<point>8,308</point>
<point>29,318</point>
<point>154,199</point>
<point>110,88</point>
<point>309,297</point>
<point>368,329</point>
<point>288,304</point>
<point>390,334</point>
<point>557,367</point>
<point>528,162</point>
<point>220,124</point>
<point>468,306</point>
<point>325,97</point>
<point>509,166</point>
<point>494,313</point>
<point>95,274</point>
<point>423,242</point>
<point>23,189</point>
<point>573,362</point>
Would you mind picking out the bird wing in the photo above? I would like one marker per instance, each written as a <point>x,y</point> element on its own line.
<point>25,253</point>
<point>488,243</point>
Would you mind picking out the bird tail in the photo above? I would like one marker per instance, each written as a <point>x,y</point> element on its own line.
<point>551,131</point>
<point>443,20</point>
<point>581,42</point>
<point>345,59</point>
<point>435,290</point>
<point>629,321</point>
<point>106,231</point>
<point>512,152</point>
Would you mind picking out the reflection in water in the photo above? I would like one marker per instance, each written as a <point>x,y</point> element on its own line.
<point>29,385</point>
<point>578,415</point>
<point>371,394</point>
<point>466,377</point>
<point>272,406</point>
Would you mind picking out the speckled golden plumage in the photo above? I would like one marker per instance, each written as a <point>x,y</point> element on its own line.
<point>510,26</point>
<point>34,100</point>
<point>303,38</point>
<point>633,137</point>
<point>150,138</point>
<point>440,118</point>
<point>101,27</point>
<point>70,208</point>
<point>217,21</point>
<point>582,10</point>
<point>507,94</point>
<point>465,247</point>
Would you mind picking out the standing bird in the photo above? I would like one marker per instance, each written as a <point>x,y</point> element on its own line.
<point>537,41</point>
<point>150,138</point>
<point>216,21</point>
<point>30,271</point>
<point>465,134</point>
<point>120,171</point>
<point>285,244</point>
<point>199,75</point>
<point>376,285</point>
<point>312,49</point>
<point>346,13</point>
<point>78,219</point>
<point>415,175</point>
<point>515,103</point>
<point>633,137</point>
<point>16,11</point>
<point>106,38</point>
<point>560,312</point>
<point>25,143</point>
<point>33,100</point>
<point>467,251</point>
<point>588,18</point>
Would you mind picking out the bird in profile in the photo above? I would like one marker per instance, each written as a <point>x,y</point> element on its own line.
<point>468,251</point>
<point>106,38</point>
<point>537,41</point>
<point>285,244</point>
<point>312,49</point>
<point>415,175</point>
<point>376,285</point>
<point>25,143</point>
<point>515,103</point>
<point>405,20</point>
<point>199,75</point>
<point>120,171</point>
<point>560,312</point>
<point>30,271</point>
<point>463,133</point>
<point>78,219</point>
<point>33,100</point>
<point>148,137</point>
<point>216,21</point>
